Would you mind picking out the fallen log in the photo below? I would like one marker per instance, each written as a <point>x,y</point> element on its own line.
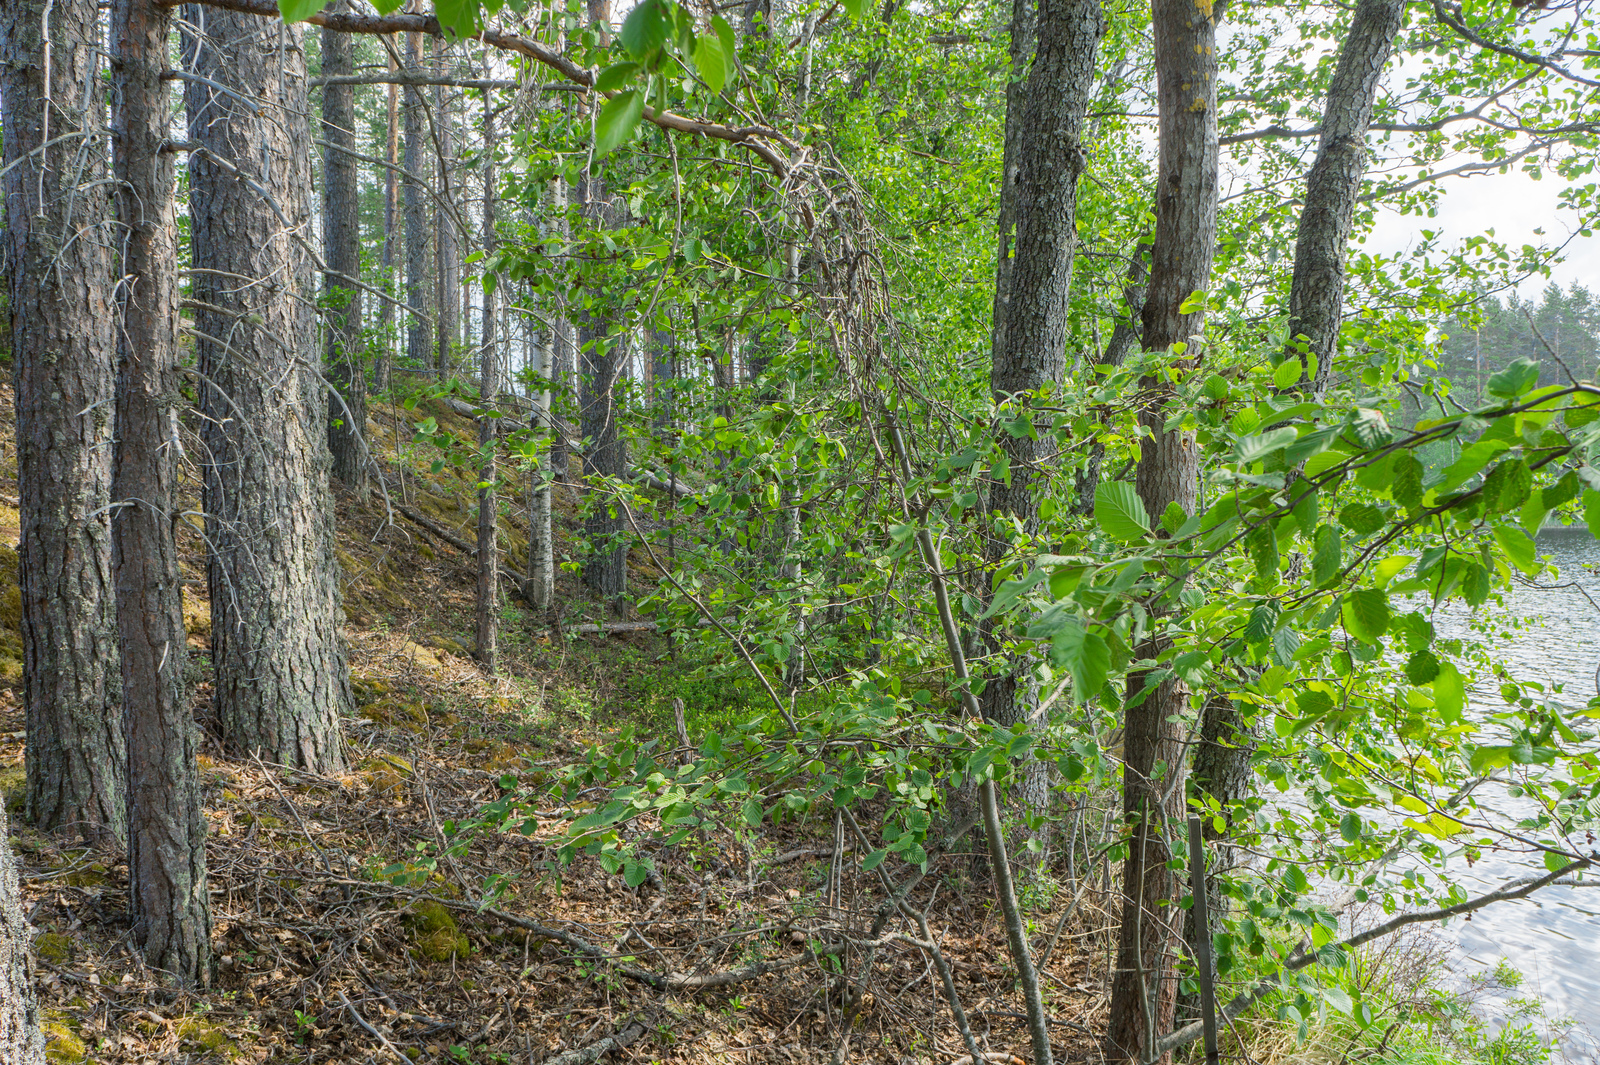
<point>631,1032</point>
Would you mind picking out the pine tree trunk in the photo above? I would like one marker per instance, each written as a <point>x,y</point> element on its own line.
<point>391,238</point>
<point>21,1040</point>
<point>419,247</point>
<point>59,272</point>
<point>446,240</point>
<point>341,238</point>
<point>279,657</point>
<point>1316,293</point>
<point>563,341</point>
<point>489,390</point>
<point>170,910</point>
<point>1144,988</point>
<point>1030,352</point>
<point>602,351</point>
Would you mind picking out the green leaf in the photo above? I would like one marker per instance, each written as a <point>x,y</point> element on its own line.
<point>1085,655</point>
<point>1591,511</point>
<point>1362,518</point>
<point>1294,878</point>
<point>300,10</point>
<point>1371,428</point>
<point>617,120</point>
<point>1475,584</point>
<point>1250,449</point>
<point>388,7</point>
<point>645,29</point>
<point>856,8</point>
<point>457,17</point>
<point>752,812</point>
<point>1514,379</point>
<point>711,60</point>
<point>1262,544</point>
<point>616,76</point>
<point>1119,512</point>
<point>1285,642</point>
<point>1507,487</point>
<point>635,873</point>
<point>1350,827</point>
<point>1473,458</point>
<point>1288,372</point>
<point>1262,622</point>
<point>1327,556</point>
<point>1449,692</point>
<point>1173,518</point>
<point>1366,614</point>
<point>1518,547</point>
<point>1406,485</point>
<point>873,860</point>
<point>1422,667</point>
<point>1307,507</point>
<point>730,45</point>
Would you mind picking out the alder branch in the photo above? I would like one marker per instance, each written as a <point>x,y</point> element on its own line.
<point>407,78</point>
<point>1515,889</point>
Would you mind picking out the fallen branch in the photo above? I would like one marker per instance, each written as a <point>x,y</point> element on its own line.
<point>631,1032</point>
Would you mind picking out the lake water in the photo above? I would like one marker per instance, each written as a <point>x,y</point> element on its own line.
<point>1553,936</point>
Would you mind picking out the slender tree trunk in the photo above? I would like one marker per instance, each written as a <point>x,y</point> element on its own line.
<point>341,239</point>
<point>1144,988</point>
<point>541,530</point>
<point>562,353</point>
<point>1316,294</point>
<point>488,501</point>
<point>391,225</point>
<point>56,217</point>
<point>281,677</point>
<point>1030,356</point>
<point>21,1039</point>
<point>419,248</point>
<point>603,351</point>
<point>167,899</point>
<point>446,240</point>
<point>1123,338</point>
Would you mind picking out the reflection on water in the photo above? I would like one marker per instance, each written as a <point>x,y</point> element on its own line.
<point>1553,936</point>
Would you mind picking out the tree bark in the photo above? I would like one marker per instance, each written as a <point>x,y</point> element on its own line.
<point>279,657</point>
<point>541,530</point>
<point>391,226</point>
<point>603,352</point>
<point>1021,48</point>
<point>488,501</point>
<point>21,1040</point>
<point>419,233</point>
<point>446,241</point>
<point>1144,989</point>
<point>1316,293</point>
<point>56,217</point>
<point>167,899</point>
<point>341,237</point>
<point>1030,352</point>
<point>562,360</point>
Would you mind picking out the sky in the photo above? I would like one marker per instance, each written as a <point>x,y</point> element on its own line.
<point>1515,206</point>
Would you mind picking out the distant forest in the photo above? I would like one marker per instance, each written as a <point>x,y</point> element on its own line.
<point>1561,332</point>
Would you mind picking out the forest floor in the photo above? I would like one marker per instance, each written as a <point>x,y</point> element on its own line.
<point>342,935</point>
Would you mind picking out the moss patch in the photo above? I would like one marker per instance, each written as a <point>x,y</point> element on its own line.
<point>53,947</point>
<point>10,618</point>
<point>382,775</point>
<point>204,1035</point>
<point>435,933</point>
<point>63,1046</point>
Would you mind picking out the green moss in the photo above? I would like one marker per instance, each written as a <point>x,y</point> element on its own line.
<point>206,1036</point>
<point>435,933</point>
<point>63,1046</point>
<point>53,947</point>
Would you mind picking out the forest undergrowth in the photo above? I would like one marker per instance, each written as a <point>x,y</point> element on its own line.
<point>352,923</point>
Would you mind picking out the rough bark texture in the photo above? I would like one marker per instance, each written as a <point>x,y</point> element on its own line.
<point>1030,354</point>
<point>488,500</point>
<point>384,363</point>
<point>21,1041</point>
<point>1144,988</point>
<point>1316,294</point>
<point>419,233</point>
<point>562,354</point>
<point>341,240</point>
<point>281,676</point>
<point>603,351</point>
<point>59,274</point>
<point>1020,50</point>
<point>167,900</point>
<point>446,243</point>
